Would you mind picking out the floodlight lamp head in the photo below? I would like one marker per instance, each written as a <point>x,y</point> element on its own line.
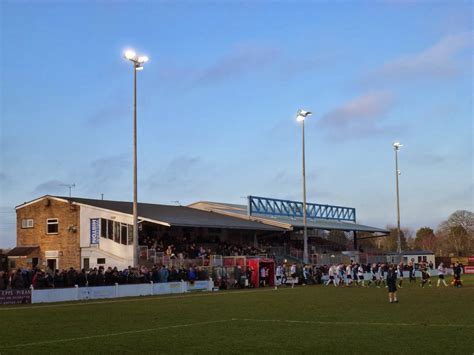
<point>130,54</point>
<point>138,67</point>
<point>143,59</point>
<point>302,114</point>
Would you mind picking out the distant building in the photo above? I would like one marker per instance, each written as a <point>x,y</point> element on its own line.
<point>417,256</point>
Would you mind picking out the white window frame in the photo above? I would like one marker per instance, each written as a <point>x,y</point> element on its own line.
<point>27,223</point>
<point>48,222</point>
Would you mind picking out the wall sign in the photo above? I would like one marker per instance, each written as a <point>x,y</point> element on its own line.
<point>15,297</point>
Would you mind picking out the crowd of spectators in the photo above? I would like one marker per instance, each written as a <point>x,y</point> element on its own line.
<point>41,279</point>
<point>182,249</point>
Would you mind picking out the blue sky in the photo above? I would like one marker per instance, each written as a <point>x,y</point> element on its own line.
<point>216,103</point>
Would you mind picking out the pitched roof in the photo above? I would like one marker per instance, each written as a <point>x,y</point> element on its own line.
<point>176,215</point>
<point>22,251</point>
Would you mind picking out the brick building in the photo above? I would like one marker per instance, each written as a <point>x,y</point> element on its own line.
<point>48,231</point>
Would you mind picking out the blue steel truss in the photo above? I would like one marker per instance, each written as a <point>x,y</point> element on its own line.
<point>293,209</point>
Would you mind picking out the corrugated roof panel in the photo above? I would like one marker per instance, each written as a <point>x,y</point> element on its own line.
<point>320,223</point>
<point>177,215</point>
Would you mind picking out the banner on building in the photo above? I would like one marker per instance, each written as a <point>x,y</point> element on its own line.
<point>15,297</point>
<point>95,230</point>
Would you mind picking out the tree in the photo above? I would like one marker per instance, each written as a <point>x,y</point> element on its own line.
<point>389,243</point>
<point>459,238</point>
<point>461,218</point>
<point>456,235</point>
<point>425,239</point>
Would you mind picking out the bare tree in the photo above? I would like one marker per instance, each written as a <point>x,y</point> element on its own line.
<point>461,218</point>
<point>456,235</point>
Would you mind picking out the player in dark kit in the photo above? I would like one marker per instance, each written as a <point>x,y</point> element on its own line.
<point>457,275</point>
<point>392,284</point>
<point>425,275</point>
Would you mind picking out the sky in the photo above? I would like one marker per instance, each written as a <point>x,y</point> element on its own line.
<point>217,103</point>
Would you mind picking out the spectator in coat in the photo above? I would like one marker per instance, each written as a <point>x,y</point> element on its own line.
<point>17,280</point>
<point>3,280</point>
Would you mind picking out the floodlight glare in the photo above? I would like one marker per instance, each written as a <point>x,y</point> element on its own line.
<point>397,145</point>
<point>143,59</point>
<point>130,54</point>
<point>302,114</point>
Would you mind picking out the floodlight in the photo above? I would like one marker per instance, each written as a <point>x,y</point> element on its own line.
<point>143,59</point>
<point>302,114</point>
<point>397,145</point>
<point>130,54</point>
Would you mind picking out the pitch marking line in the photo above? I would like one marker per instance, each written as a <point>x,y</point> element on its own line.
<point>143,299</point>
<point>117,334</point>
<point>353,323</point>
<point>232,320</point>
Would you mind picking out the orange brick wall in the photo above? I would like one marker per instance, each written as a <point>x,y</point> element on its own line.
<point>66,241</point>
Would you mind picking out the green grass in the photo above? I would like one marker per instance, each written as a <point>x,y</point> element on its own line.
<point>311,320</point>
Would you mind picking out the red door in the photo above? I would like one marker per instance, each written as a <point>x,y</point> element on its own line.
<point>254,264</point>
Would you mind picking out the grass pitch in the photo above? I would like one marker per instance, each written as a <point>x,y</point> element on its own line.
<point>311,320</point>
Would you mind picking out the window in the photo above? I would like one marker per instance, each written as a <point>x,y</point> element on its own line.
<point>130,234</point>
<point>100,261</point>
<point>26,223</point>
<point>52,226</point>
<point>123,234</point>
<point>116,232</point>
<point>103,228</point>
<point>110,229</point>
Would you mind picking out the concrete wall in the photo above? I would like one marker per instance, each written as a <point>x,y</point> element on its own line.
<point>117,291</point>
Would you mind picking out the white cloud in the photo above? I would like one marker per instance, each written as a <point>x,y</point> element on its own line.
<point>361,114</point>
<point>438,61</point>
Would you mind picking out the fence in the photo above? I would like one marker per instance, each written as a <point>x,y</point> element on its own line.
<point>102,292</point>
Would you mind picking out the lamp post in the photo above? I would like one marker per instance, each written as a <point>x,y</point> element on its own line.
<point>137,62</point>
<point>300,117</point>
<point>396,148</point>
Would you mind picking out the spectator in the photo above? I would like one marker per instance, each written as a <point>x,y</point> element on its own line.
<point>3,280</point>
<point>17,280</point>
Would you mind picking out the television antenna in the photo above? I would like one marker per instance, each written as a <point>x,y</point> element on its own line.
<point>70,186</point>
